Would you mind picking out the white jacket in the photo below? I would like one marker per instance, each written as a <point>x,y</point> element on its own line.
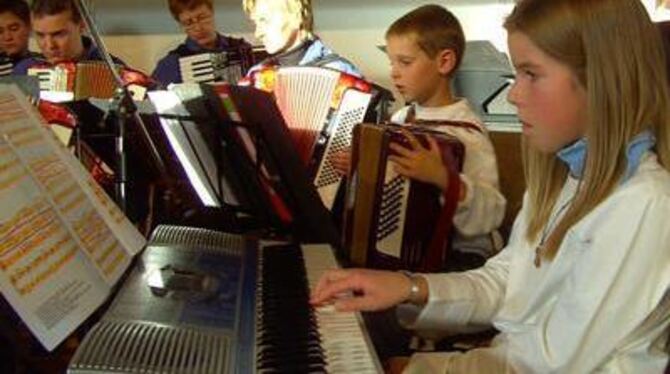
<point>483,209</point>
<point>582,312</point>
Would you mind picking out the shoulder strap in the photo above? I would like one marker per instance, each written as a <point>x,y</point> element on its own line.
<point>439,245</point>
<point>410,118</point>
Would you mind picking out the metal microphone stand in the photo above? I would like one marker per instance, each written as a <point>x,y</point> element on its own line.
<point>125,109</point>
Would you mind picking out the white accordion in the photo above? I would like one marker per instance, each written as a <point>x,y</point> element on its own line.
<point>321,108</point>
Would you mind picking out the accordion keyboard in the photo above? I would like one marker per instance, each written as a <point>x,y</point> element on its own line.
<point>334,342</point>
<point>6,67</point>
<point>209,68</point>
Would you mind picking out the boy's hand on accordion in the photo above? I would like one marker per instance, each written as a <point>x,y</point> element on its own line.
<point>361,289</point>
<point>420,163</point>
<point>341,161</point>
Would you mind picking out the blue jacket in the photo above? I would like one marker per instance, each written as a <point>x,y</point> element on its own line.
<point>91,53</point>
<point>7,63</point>
<point>317,54</point>
<point>167,70</point>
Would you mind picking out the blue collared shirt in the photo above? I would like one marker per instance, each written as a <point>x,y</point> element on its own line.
<point>574,155</point>
<point>317,54</point>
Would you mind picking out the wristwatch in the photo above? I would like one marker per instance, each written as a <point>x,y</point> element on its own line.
<point>414,297</point>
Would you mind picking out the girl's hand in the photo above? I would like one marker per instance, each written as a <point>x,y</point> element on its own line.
<point>363,289</point>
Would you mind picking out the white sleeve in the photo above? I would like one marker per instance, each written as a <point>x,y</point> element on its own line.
<point>467,301</point>
<point>621,271</point>
<point>483,208</point>
<point>619,277</point>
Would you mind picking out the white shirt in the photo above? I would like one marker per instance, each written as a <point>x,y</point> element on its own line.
<point>483,208</point>
<point>582,312</point>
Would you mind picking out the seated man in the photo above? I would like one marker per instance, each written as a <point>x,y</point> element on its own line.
<point>14,34</point>
<point>196,17</point>
<point>285,29</point>
<point>58,29</point>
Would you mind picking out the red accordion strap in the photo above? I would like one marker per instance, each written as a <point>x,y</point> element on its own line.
<point>411,119</point>
<point>439,244</point>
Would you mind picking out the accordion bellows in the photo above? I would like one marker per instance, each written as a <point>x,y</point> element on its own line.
<point>86,79</point>
<point>390,220</point>
<point>321,108</point>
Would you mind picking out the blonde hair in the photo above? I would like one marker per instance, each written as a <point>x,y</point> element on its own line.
<point>304,8</point>
<point>615,52</point>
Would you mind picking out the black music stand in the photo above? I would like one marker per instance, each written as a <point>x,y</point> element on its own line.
<point>277,159</point>
<point>124,109</point>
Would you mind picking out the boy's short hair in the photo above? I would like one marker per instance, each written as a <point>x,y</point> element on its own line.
<point>305,6</point>
<point>41,8</point>
<point>436,29</point>
<point>178,6</point>
<point>18,8</point>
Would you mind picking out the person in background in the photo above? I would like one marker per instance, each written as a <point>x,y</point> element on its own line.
<point>197,19</point>
<point>14,34</point>
<point>58,29</point>
<point>285,28</point>
<point>583,285</point>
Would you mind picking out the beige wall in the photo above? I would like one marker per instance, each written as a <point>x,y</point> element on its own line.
<point>356,40</point>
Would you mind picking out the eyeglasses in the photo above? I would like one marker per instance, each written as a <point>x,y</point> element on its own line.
<point>191,23</point>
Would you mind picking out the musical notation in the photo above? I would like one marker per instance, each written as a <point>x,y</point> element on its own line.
<point>63,242</point>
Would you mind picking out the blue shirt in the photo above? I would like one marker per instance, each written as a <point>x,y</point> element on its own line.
<point>167,70</point>
<point>91,53</point>
<point>316,54</point>
<point>574,155</point>
<point>7,63</point>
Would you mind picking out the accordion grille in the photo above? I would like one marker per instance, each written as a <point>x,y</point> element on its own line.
<point>210,240</point>
<point>391,207</point>
<point>135,347</point>
<point>341,141</point>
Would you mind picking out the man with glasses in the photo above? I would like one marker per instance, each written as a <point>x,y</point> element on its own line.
<point>14,34</point>
<point>196,18</point>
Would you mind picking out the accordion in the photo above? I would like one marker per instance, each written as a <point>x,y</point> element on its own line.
<point>87,79</point>
<point>320,107</point>
<point>213,67</point>
<point>6,66</point>
<point>393,222</point>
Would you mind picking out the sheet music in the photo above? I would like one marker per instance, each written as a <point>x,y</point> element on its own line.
<point>63,242</point>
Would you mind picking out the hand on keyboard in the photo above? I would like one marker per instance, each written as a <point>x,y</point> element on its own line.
<point>371,289</point>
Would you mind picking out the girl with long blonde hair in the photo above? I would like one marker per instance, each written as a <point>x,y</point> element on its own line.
<point>584,283</point>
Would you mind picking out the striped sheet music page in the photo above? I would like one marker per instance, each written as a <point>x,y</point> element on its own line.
<point>63,242</point>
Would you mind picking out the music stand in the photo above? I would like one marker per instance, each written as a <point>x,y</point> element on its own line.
<point>124,109</point>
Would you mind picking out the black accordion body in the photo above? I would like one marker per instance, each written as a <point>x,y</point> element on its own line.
<point>228,66</point>
<point>391,221</point>
<point>6,66</point>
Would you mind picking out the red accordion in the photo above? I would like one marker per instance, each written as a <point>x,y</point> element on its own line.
<point>321,107</point>
<point>88,79</point>
<point>393,222</point>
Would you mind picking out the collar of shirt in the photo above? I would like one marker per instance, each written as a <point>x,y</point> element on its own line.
<point>316,50</point>
<point>296,56</point>
<point>193,46</point>
<point>574,155</point>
